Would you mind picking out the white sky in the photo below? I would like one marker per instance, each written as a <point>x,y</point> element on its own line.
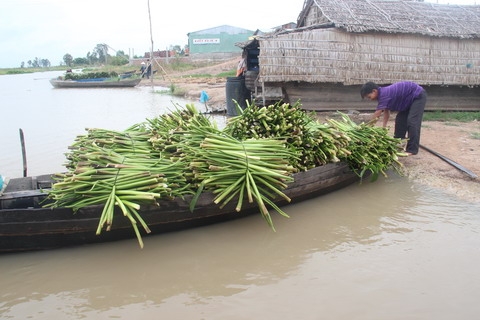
<point>48,29</point>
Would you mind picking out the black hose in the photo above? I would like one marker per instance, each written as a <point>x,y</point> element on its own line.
<point>453,163</point>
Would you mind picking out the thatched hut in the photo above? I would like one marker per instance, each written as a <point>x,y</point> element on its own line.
<point>339,45</point>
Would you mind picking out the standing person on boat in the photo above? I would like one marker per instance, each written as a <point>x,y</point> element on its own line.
<point>409,99</point>
<point>142,69</point>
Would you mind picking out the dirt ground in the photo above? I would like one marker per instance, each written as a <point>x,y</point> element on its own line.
<point>193,86</point>
<point>457,141</point>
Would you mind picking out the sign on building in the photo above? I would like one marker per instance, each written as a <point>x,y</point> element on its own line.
<point>206,41</point>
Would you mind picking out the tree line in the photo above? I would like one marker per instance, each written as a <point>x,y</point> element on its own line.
<point>99,55</point>
<point>36,63</point>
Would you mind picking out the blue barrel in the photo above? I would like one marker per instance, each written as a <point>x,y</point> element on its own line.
<point>237,91</point>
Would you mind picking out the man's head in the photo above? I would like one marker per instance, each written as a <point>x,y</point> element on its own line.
<point>369,90</point>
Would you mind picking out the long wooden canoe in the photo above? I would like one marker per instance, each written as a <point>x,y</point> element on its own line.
<point>96,83</point>
<point>25,225</point>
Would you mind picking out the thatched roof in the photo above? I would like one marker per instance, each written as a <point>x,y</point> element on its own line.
<point>394,16</point>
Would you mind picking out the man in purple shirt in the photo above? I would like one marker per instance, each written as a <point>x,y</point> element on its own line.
<point>408,99</point>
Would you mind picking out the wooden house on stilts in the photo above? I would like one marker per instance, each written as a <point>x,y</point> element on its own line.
<point>339,45</point>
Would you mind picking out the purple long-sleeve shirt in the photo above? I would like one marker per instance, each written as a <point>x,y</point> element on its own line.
<point>398,96</point>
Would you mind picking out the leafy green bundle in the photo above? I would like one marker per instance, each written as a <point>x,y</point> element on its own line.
<point>182,152</point>
<point>313,143</point>
<point>90,75</point>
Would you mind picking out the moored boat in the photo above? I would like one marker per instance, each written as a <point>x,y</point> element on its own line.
<point>25,225</point>
<point>96,83</point>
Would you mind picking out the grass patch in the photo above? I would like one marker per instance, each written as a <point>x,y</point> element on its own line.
<point>174,91</point>
<point>199,75</point>
<point>18,71</point>
<point>461,116</point>
<point>231,73</point>
<point>475,135</point>
<point>108,68</point>
<point>163,91</point>
<point>179,92</point>
<point>452,124</point>
<point>4,71</point>
<point>181,65</point>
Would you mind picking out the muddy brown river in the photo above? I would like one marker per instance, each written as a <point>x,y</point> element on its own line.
<point>384,250</point>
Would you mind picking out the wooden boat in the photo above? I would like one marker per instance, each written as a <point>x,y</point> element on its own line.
<point>96,83</point>
<point>25,225</point>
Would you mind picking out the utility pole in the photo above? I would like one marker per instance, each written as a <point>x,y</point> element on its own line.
<point>151,48</point>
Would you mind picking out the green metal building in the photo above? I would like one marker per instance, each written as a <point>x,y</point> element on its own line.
<point>218,42</point>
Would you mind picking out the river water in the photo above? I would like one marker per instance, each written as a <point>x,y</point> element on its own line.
<point>51,118</point>
<point>384,250</point>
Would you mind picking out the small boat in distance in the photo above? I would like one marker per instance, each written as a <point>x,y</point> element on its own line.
<point>96,83</point>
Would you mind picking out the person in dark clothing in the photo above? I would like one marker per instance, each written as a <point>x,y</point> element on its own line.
<point>142,69</point>
<point>148,72</point>
<point>408,99</point>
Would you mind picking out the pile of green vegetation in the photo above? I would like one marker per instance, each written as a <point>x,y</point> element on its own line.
<point>183,153</point>
<point>90,75</point>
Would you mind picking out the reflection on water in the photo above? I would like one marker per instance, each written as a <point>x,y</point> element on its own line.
<point>383,250</point>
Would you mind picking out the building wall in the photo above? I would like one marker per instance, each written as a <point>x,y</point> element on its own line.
<point>335,56</point>
<point>215,56</point>
<point>325,68</point>
<point>333,96</point>
<point>217,40</point>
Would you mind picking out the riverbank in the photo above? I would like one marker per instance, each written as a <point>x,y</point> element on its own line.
<point>458,141</point>
<point>191,83</point>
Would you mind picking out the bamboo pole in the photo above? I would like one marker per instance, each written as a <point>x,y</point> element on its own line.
<point>151,47</point>
<point>24,152</point>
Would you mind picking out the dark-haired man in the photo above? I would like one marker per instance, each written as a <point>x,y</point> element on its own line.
<point>408,99</point>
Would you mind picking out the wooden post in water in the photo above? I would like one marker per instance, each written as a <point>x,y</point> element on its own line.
<point>24,153</point>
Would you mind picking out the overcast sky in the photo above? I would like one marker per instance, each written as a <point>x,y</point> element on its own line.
<point>48,29</point>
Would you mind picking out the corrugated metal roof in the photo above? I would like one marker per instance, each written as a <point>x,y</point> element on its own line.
<point>222,29</point>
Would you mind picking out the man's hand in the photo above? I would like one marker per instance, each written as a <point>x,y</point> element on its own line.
<point>375,117</point>
<point>372,122</point>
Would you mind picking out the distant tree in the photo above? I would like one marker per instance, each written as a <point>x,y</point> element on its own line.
<point>80,61</point>
<point>118,61</point>
<point>92,57</point>
<point>30,63</point>
<point>36,63</point>
<point>45,63</point>
<point>67,58</point>
<point>22,65</point>
<point>177,48</point>
<point>101,50</point>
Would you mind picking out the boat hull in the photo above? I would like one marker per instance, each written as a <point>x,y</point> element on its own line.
<point>36,228</point>
<point>121,83</point>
